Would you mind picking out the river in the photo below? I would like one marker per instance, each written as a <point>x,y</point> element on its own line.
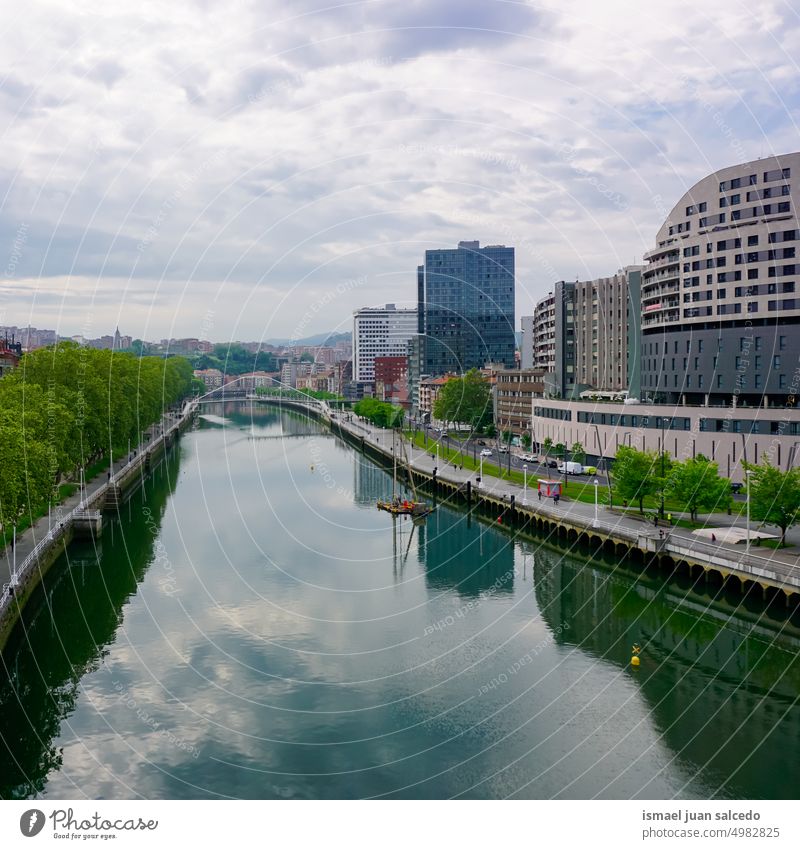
<point>251,626</point>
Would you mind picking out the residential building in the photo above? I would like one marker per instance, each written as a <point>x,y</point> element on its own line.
<point>428,393</point>
<point>380,332</point>
<point>527,353</point>
<point>514,394</point>
<point>391,379</point>
<point>212,377</point>
<point>720,304</point>
<point>466,303</point>
<point>581,335</point>
<point>10,354</point>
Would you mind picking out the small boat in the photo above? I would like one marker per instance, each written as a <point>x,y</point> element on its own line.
<point>415,509</point>
<point>418,510</point>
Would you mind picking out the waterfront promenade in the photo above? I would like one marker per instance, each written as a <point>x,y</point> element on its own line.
<point>29,542</point>
<point>777,567</point>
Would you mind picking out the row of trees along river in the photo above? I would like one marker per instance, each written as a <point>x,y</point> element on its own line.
<point>67,407</point>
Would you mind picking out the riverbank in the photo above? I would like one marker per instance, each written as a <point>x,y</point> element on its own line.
<point>773,576</point>
<point>23,567</point>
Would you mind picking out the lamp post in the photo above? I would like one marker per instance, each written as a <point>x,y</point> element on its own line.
<point>747,543</point>
<point>596,484</point>
<point>525,483</point>
<point>662,468</point>
<point>480,473</point>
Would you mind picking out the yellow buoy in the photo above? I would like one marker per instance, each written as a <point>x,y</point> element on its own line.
<point>635,660</point>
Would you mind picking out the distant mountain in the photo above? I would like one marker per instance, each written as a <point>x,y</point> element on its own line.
<point>329,339</point>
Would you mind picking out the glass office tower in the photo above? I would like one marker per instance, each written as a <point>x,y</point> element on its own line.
<point>467,300</point>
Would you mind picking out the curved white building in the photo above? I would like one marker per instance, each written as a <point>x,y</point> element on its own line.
<point>720,308</point>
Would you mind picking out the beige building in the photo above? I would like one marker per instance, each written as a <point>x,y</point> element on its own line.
<point>514,393</point>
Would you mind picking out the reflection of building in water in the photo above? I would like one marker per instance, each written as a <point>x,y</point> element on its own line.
<point>370,482</point>
<point>718,678</point>
<point>465,555</point>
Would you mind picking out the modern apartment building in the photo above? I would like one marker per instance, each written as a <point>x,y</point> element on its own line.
<point>582,335</point>
<point>720,307</point>
<point>380,332</point>
<point>466,306</point>
<point>514,393</point>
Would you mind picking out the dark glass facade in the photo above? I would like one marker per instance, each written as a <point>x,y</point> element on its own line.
<point>468,308</point>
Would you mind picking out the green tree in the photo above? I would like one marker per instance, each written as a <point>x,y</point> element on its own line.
<point>466,400</point>
<point>696,484</point>
<point>578,453</point>
<point>637,474</point>
<point>526,440</point>
<point>380,413</point>
<point>774,495</point>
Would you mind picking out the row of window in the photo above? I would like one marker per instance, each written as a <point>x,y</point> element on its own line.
<point>745,343</point>
<point>735,200</point>
<point>752,179</point>
<point>553,413</point>
<point>687,382</point>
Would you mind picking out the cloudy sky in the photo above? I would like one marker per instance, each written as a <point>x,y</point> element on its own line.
<point>259,169</point>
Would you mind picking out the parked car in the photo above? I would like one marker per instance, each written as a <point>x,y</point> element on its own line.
<point>503,449</point>
<point>487,452</point>
<point>736,488</point>
<point>590,470</point>
<point>527,458</point>
<point>552,464</point>
<point>481,442</point>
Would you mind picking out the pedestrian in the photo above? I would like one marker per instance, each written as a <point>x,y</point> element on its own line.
<point>713,537</point>
<point>669,518</point>
<point>655,520</point>
<point>555,498</point>
<point>108,475</point>
<point>539,493</point>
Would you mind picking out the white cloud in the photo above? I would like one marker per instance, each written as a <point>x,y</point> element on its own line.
<point>194,156</point>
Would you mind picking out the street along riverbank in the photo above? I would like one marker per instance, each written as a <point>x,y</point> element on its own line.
<point>774,577</point>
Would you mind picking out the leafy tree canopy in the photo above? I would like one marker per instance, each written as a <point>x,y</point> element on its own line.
<point>466,400</point>
<point>774,495</point>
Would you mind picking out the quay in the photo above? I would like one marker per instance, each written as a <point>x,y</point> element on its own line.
<point>773,578</point>
<point>42,543</point>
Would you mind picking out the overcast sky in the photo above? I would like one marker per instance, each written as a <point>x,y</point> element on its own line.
<point>260,169</point>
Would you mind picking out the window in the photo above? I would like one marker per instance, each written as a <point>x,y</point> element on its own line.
<point>696,363</point>
<point>738,362</point>
<point>776,361</point>
<point>752,240</point>
<point>699,381</point>
<point>752,274</point>
<point>758,343</point>
<point>782,343</point>
<point>757,381</point>
<point>782,381</point>
<point>719,381</point>
<point>700,346</point>
<point>757,361</point>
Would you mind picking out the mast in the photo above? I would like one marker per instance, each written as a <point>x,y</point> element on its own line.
<point>394,467</point>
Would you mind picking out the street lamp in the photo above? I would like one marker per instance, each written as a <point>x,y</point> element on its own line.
<point>480,473</point>
<point>596,484</point>
<point>747,480</point>
<point>525,483</point>
<point>662,467</point>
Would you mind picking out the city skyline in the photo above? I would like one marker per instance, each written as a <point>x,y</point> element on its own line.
<point>194,193</point>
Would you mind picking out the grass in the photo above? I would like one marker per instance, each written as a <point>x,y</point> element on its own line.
<point>773,543</point>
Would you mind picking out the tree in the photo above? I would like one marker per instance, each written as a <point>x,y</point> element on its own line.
<point>507,437</point>
<point>637,474</point>
<point>578,453</point>
<point>380,413</point>
<point>696,484</point>
<point>526,440</point>
<point>466,400</point>
<point>559,449</point>
<point>774,495</point>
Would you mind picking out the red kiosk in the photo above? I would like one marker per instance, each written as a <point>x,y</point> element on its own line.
<point>549,488</point>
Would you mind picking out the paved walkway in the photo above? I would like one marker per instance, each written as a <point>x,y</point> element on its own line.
<point>609,518</point>
<point>27,540</point>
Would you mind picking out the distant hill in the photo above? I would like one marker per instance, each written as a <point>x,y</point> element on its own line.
<point>329,339</point>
